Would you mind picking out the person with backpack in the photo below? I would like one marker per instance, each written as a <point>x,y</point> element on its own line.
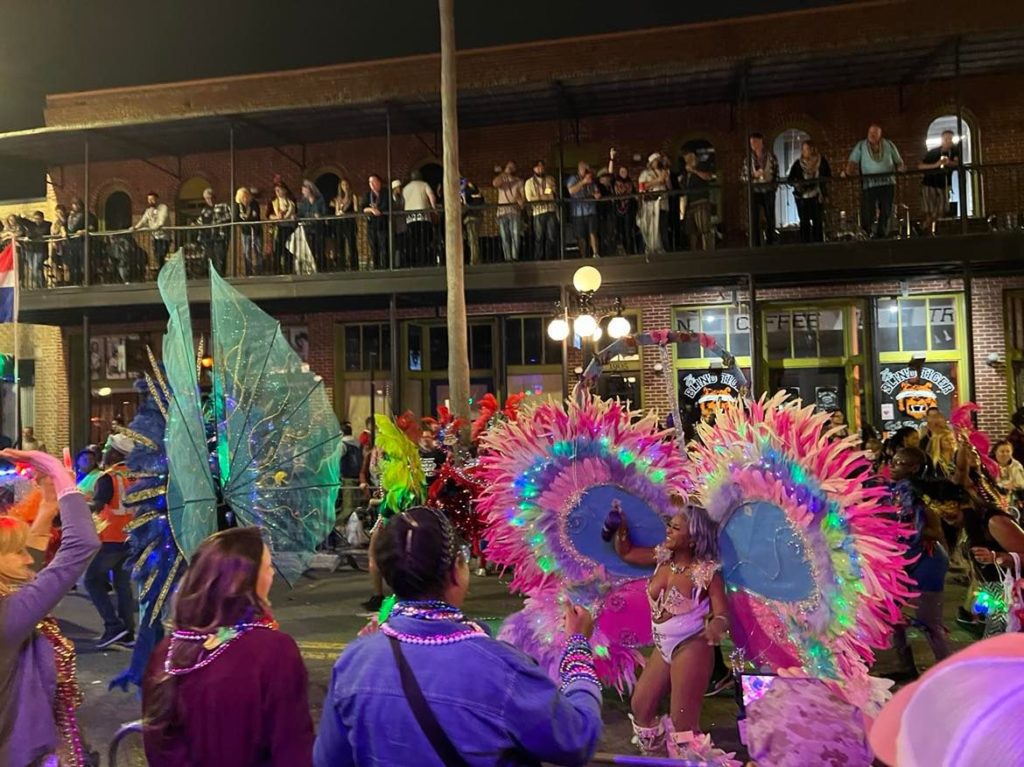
<point>351,466</point>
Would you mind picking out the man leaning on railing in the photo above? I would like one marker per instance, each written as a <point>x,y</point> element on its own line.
<point>155,218</point>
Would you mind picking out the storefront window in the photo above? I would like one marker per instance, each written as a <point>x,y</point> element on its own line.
<point>367,347</point>
<point>814,352</point>
<point>729,325</point>
<point>921,364</point>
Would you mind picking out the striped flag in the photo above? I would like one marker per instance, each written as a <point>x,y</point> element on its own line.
<point>8,285</point>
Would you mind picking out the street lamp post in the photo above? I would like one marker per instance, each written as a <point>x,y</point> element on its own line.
<point>586,318</point>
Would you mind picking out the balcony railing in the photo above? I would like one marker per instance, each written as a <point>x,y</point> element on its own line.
<point>669,221</point>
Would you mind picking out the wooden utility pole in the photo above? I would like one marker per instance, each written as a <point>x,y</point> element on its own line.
<point>458,336</point>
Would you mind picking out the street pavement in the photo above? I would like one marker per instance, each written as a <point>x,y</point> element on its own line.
<point>322,613</point>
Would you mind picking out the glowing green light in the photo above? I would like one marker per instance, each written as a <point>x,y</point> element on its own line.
<point>537,540</point>
<point>546,564</point>
<point>658,475</point>
<point>627,457</point>
<point>601,651</point>
<point>530,491</point>
<point>797,473</point>
<point>833,520</point>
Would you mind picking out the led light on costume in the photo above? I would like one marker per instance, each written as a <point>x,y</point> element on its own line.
<point>264,447</point>
<point>811,557</point>
<point>552,476</point>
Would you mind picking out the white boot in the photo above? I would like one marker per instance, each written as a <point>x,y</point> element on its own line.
<point>649,740</point>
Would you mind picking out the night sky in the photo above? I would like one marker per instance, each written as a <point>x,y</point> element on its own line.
<point>54,46</point>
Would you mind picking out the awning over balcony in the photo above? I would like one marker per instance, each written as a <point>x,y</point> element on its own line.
<point>724,81</point>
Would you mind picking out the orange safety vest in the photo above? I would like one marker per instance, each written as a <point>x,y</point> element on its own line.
<point>114,515</point>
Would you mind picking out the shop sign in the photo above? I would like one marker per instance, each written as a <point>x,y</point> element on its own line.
<point>710,392</point>
<point>906,396</point>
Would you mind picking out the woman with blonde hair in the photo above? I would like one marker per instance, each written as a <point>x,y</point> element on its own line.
<point>227,688</point>
<point>247,212</point>
<point>942,454</point>
<point>38,681</point>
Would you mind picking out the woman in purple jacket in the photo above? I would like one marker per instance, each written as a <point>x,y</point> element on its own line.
<point>432,689</point>
<point>227,689</point>
<point>38,684</point>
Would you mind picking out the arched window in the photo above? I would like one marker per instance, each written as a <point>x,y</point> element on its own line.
<point>933,139</point>
<point>190,201</point>
<point>704,150</point>
<point>787,151</point>
<point>327,183</point>
<point>117,212</point>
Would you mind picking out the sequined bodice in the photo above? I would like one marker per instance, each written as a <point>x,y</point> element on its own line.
<point>672,601</point>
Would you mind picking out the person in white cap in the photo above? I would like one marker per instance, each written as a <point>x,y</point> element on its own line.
<point>964,712</point>
<point>107,502</point>
<point>653,184</point>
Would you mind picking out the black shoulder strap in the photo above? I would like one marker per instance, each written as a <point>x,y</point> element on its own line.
<point>421,710</point>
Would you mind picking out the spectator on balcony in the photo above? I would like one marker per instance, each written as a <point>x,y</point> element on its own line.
<point>540,191</point>
<point>584,192</point>
<point>76,245</point>
<point>696,185</point>
<point>284,213</point>
<point>510,203</point>
<point>625,206</point>
<point>345,206</point>
<point>37,229</point>
<point>939,163</point>
<point>472,214</point>
<point>809,176</point>
<point>400,236</point>
<point>311,207</point>
<point>154,218</point>
<point>653,183</point>
<point>13,229</point>
<point>214,236</point>
<point>761,170</point>
<point>605,209</point>
<point>419,203</point>
<point>876,160</point>
<point>57,253</point>
<point>377,205</point>
<point>247,212</point>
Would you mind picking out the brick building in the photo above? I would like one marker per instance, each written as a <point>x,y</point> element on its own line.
<point>840,323</point>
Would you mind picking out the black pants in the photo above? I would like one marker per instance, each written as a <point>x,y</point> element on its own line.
<point>347,241</point>
<point>112,559</point>
<point>378,237</point>
<point>809,209</point>
<point>217,251</point>
<point>880,199</point>
<point>625,231</point>
<point>764,206</point>
<point>160,248</point>
<point>421,244</point>
<point>283,256</point>
<point>545,237</point>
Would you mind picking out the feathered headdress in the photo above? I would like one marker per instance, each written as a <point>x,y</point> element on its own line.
<point>401,475</point>
<point>492,412</point>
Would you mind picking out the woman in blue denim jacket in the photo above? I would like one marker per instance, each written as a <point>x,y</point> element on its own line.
<point>483,701</point>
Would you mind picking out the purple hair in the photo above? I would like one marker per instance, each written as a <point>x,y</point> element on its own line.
<point>703,532</point>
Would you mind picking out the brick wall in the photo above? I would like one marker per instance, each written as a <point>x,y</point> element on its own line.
<point>836,121</point>
<point>656,310</point>
<point>44,345</point>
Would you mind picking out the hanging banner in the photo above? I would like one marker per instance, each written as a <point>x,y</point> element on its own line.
<point>905,397</point>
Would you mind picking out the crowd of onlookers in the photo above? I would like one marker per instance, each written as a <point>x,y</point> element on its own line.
<point>591,212</point>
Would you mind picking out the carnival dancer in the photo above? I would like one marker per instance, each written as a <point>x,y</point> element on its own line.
<point>927,560</point>
<point>227,687</point>
<point>689,616</point>
<point>38,681</point>
<point>498,707</point>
